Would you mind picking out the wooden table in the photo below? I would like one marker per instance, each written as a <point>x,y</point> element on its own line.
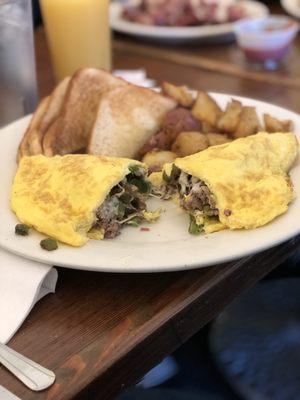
<point>100,332</point>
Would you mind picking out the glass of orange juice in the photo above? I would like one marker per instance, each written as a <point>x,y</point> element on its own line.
<point>78,34</point>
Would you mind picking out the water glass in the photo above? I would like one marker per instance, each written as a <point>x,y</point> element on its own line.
<point>18,90</point>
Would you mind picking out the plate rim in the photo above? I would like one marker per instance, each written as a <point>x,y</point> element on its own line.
<point>166,267</point>
<point>163,32</point>
<point>290,7</point>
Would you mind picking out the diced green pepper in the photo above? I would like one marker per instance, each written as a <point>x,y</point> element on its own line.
<point>194,229</point>
<point>126,198</point>
<point>48,244</point>
<point>166,178</point>
<point>136,221</point>
<point>142,185</point>
<point>121,210</point>
<point>175,172</point>
<point>22,229</point>
<point>136,170</point>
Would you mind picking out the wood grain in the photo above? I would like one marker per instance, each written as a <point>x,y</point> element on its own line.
<point>213,64</point>
<point>101,332</point>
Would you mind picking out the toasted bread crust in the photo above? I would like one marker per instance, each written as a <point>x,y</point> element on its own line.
<point>51,113</point>
<point>24,147</point>
<point>69,132</point>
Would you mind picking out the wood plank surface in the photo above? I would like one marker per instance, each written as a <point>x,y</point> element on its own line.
<point>101,332</point>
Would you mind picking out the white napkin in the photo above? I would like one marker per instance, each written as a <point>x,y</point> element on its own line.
<point>22,284</point>
<point>135,76</point>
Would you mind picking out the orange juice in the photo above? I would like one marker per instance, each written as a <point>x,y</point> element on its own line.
<point>78,34</point>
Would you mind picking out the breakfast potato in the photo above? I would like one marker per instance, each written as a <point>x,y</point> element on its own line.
<point>230,117</point>
<point>156,159</point>
<point>207,128</point>
<point>248,123</point>
<point>179,120</point>
<point>217,138</point>
<point>206,109</point>
<point>180,94</point>
<point>188,143</point>
<point>273,124</point>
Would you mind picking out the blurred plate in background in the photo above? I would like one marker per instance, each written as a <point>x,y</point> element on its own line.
<point>292,7</point>
<point>176,35</point>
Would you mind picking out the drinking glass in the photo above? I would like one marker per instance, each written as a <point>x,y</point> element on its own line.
<point>18,91</point>
<point>78,34</point>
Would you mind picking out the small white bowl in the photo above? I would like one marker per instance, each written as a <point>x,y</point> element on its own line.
<point>266,40</point>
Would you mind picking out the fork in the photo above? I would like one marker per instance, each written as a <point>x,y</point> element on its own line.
<point>30,373</point>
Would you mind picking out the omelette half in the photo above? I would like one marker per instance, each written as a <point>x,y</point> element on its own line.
<point>241,184</point>
<point>76,197</point>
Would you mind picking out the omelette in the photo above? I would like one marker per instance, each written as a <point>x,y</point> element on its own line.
<point>243,184</point>
<point>76,197</point>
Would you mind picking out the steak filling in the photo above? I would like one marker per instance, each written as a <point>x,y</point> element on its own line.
<point>125,203</point>
<point>194,196</point>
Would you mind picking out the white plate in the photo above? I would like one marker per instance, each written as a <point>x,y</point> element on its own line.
<point>167,246</point>
<point>292,7</point>
<point>178,34</point>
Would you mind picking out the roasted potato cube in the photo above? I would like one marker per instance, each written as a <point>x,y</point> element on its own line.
<point>156,159</point>
<point>217,138</point>
<point>181,94</point>
<point>248,123</point>
<point>188,143</point>
<point>206,109</point>
<point>179,120</point>
<point>273,124</point>
<point>207,128</point>
<point>230,117</point>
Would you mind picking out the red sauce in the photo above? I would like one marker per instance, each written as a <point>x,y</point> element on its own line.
<point>144,229</point>
<point>278,26</point>
<point>261,55</point>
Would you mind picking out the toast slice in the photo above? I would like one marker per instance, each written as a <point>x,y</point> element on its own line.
<point>126,118</point>
<point>52,112</point>
<point>24,147</point>
<point>70,131</point>
<point>46,112</point>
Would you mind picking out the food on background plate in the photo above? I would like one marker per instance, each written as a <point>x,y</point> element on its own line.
<point>183,12</point>
<point>76,197</point>
<point>242,184</point>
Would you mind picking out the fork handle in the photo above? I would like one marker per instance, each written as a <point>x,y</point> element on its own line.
<point>30,373</point>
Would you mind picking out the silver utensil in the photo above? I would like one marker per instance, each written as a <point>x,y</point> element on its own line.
<point>7,395</point>
<point>30,373</point>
